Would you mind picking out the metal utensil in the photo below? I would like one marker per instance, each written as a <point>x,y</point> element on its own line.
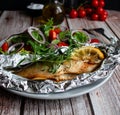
<point>88,31</point>
<point>101,31</point>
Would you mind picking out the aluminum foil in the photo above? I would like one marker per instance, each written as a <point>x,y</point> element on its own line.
<point>15,82</point>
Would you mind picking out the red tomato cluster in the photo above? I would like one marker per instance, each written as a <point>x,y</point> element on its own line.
<point>95,11</point>
<point>53,33</point>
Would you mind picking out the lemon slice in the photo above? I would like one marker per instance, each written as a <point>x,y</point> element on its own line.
<point>88,54</point>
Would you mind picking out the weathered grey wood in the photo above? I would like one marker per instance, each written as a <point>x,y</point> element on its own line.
<point>81,106</point>
<point>34,107</point>
<point>106,100</point>
<point>11,22</point>
<point>52,107</point>
<point>9,103</point>
<point>114,21</point>
<point>66,107</point>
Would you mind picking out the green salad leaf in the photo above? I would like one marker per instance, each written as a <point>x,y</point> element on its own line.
<point>80,37</point>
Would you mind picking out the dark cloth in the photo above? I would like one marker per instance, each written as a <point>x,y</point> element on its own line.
<point>21,4</point>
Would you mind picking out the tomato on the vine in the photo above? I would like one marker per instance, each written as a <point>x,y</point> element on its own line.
<point>102,17</point>
<point>105,12</point>
<point>95,3</point>
<point>89,11</point>
<point>101,3</point>
<point>5,47</point>
<point>73,13</point>
<point>94,17</point>
<point>81,13</point>
<point>52,35</point>
<point>99,10</point>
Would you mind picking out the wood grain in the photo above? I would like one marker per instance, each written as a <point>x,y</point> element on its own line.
<point>11,22</point>
<point>114,22</point>
<point>9,103</point>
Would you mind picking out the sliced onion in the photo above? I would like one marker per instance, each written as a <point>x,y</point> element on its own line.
<point>30,29</point>
<point>13,47</point>
<point>79,30</point>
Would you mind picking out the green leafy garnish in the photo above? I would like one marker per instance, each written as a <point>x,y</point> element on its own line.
<point>47,27</point>
<point>36,35</point>
<point>64,34</point>
<point>80,37</point>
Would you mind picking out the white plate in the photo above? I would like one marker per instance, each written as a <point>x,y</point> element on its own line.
<point>63,95</point>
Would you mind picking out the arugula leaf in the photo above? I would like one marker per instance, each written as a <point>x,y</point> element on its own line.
<point>36,35</point>
<point>80,37</point>
<point>47,27</point>
<point>64,34</point>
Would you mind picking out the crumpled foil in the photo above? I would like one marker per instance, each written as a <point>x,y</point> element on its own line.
<point>11,81</point>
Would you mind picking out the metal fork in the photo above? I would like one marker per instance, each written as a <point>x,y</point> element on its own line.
<point>102,32</point>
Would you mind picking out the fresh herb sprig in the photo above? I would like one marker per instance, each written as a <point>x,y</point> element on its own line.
<point>47,27</point>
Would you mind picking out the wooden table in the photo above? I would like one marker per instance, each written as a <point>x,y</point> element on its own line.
<point>104,100</point>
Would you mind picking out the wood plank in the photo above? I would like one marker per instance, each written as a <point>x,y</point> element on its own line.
<point>34,107</point>
<point>9,103</point>
<point>66,107</point>
<point>52,107</point>
<point>81,106</point>
<point>106,100</point>
<point>114,22</point>
<point>11,22</point>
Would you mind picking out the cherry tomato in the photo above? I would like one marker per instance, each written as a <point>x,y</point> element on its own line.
<point>99,10</point>
<point>101,3</point>
<point>105,12</point>
<point>94,40</point>
<point>73,13</point>
<point>88,11</point>
<point>52,35</point>
<point>57,30</point>
<point>5,47</point>
<point>94,17</point>
<point>102,17</point>
<point>62,44</point>
<point>81,13</point>
<point>94,3</point>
